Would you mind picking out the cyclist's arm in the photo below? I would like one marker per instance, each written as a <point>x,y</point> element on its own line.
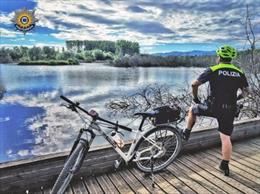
<point>204,77</point>
<point>244,87</point>
<point>195,85</point>
<point>244,93</point>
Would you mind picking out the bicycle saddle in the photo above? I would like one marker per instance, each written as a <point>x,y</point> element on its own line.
<point>146,114</point>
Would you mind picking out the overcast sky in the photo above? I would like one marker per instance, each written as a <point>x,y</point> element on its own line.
<point>158,25</point>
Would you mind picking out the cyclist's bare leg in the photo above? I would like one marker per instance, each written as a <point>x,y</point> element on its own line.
<point>226,146</point>
<point>226,153</point>
<point>191,119</point>
<point>190,123</point>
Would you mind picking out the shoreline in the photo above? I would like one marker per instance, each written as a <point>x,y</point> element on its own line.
<point>102,63</point>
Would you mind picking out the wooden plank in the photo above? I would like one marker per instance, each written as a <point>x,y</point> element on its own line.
<point>197,177</point>
<point>97,169</point>
<point>38,160</point>
<point>146,181</point>
<point>251,171</point>
<point>77,187</point>
<point>211,170</point>
<point>69,190</point>
<point>246,158</point>
<point>47,191</point>
<point>18,178</point>
<point>164,185</point>
<point>242,176</point>
<point>234,179</point>
<point>247,146</point>
<point>19,185</point>
<point>134,183</point>
<point>176,171</point>
<point>92,185</point>
<point>119,182</point>
<point>106,185</point>
<point>38,192</point>
<point>204,173</point>
<point>243,160</point>
<point>25,173</point>
<point>178,184</point>
<point>248,151</point>
<point>255,141</point>
<point>255,145</point>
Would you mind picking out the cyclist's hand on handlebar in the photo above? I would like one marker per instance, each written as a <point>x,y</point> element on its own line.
<point>196,100</point>
<point>238,109</point>
<point>239,97</point>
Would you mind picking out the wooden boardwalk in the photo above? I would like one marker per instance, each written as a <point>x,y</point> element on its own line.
<point>190,173</point>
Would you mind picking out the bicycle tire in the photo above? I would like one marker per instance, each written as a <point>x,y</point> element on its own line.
<point>146,166</point>
<point>74,162</point>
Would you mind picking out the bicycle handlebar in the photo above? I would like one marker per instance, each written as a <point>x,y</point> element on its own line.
<point>76,105</point>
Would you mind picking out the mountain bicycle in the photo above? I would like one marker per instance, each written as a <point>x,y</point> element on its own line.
<point>152,150</point>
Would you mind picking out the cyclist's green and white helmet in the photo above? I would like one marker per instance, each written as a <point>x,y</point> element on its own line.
<point>226,51</point>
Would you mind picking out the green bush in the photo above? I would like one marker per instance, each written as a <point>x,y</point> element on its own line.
<point>98,54</point>
<point>72,61</point>
<point>51,62</point>
<point>80,56</point>
<point>89,59</point>
<point>108,55</point>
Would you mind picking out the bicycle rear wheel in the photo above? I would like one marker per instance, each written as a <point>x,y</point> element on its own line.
<point>163,143</point>
<point>71,166</point>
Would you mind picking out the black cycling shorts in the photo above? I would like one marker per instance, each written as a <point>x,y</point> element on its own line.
<point>225,118</point>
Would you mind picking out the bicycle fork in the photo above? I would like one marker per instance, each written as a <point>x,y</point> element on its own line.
<point>86,140</point>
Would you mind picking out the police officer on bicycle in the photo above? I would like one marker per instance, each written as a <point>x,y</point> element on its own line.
<point>224,79</point>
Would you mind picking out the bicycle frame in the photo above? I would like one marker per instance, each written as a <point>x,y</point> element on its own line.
<point>127,157</point>
<point>84,137</point>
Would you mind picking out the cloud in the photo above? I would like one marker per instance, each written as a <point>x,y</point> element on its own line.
<point>136,9</point>
<point>146,21</point>
<point>8,152</point>
<point>6,18</point>
<point>23,152</point>
<point>90,21</point>
<point>97,19</point>
<point>148,27</point>
<point>8,33</point>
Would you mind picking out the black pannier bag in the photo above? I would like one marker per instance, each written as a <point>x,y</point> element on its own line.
<point>166,114</point>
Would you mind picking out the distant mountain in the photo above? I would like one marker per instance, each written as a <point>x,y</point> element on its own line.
<point>188,53</point>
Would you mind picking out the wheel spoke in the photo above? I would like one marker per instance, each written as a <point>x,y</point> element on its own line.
<point>168,144</point>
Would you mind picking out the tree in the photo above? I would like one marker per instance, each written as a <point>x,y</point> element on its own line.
<point>5,56</point>
<point>251,62</point>
<point>15,53</point>
<point>124,47</point>
<point>48,52</point>
<point>65,55</point>
<point>35,53</point>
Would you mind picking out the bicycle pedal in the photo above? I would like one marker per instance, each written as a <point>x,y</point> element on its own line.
<point>117,163</point>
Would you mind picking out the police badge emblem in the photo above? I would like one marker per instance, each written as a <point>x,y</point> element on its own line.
<point>24,20</point>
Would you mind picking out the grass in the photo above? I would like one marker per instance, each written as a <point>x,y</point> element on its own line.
<point>51,62</point>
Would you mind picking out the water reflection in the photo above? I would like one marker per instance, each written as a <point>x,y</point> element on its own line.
<point>32,122</point>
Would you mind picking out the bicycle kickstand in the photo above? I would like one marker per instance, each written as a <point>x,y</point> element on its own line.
<point>152,173</point>
<point>117,163</point>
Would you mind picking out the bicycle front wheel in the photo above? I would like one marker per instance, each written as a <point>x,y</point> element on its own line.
<point>71,166</point>
<point>163,143</point>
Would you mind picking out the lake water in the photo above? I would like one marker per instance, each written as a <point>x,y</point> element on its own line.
<point>32,122</point>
